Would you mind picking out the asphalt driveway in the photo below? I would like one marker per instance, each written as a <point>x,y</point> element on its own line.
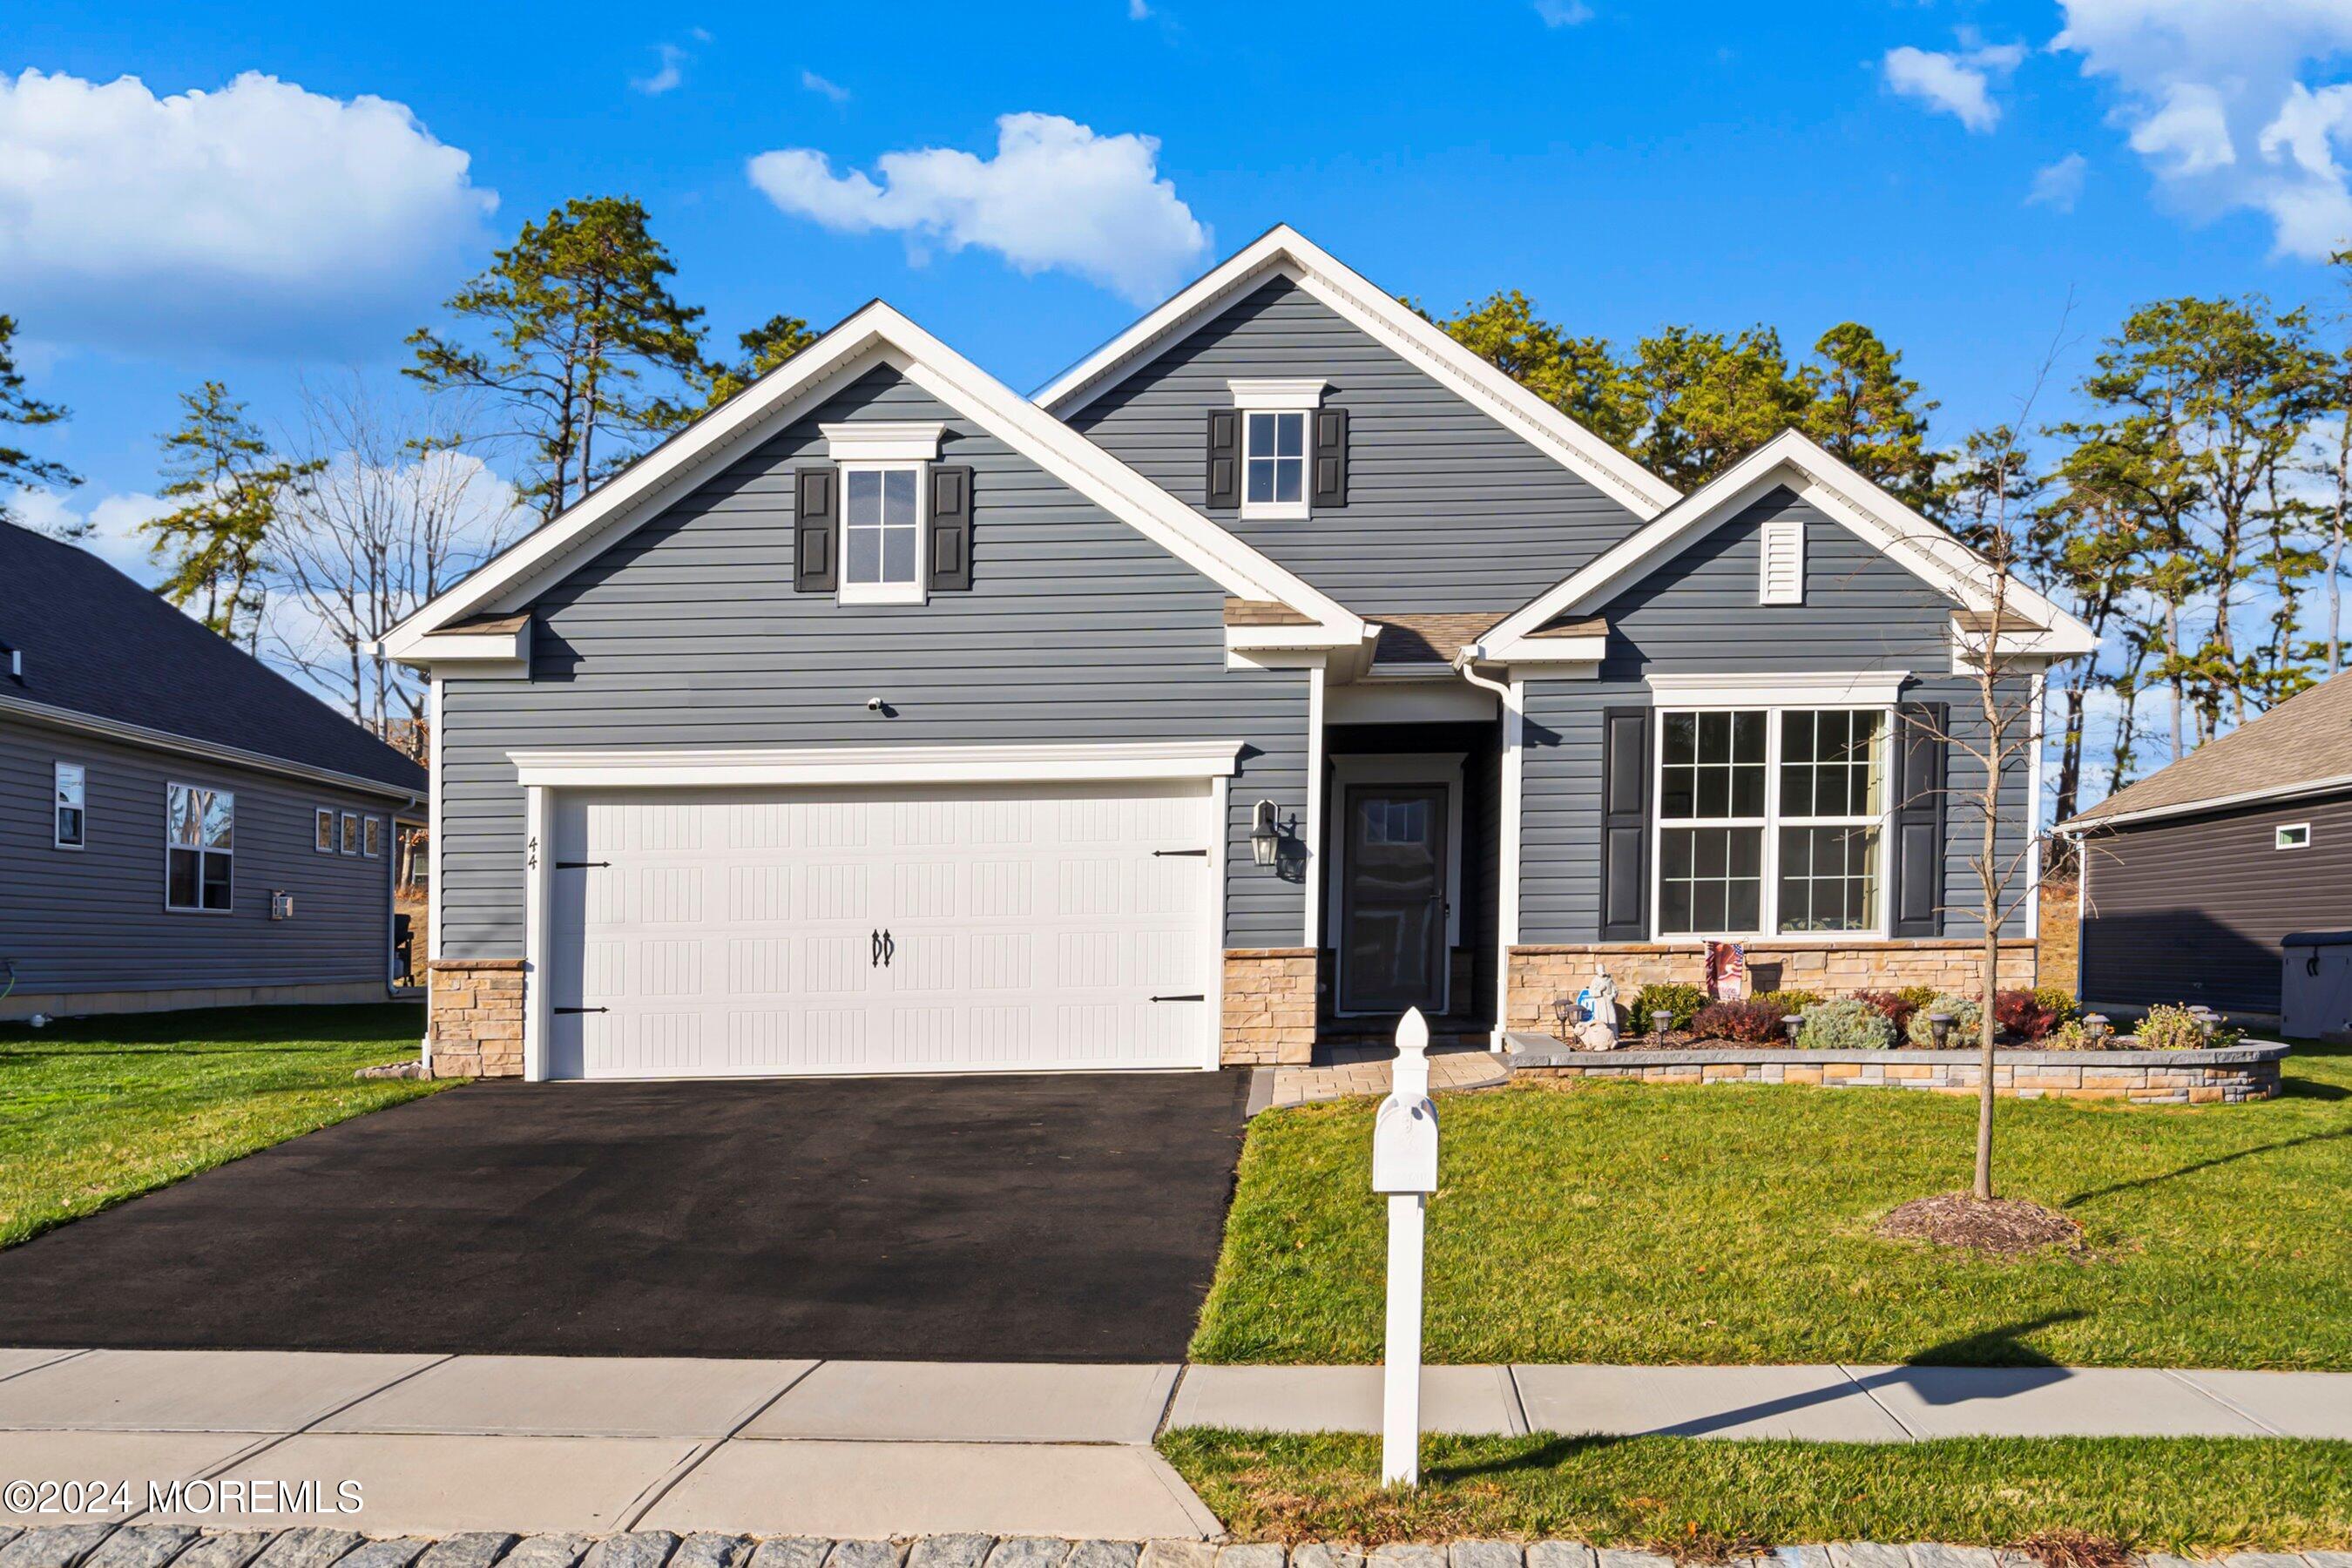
<point>1033,1218</point>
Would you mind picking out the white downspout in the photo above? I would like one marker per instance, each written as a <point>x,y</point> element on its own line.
<point>1507,838</point>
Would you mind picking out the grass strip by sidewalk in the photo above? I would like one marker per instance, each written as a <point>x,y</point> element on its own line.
<point>1703,1496</point>
<point>1736,1223</point>
<point>96,1110</point>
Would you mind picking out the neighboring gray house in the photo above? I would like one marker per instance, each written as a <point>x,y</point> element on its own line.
<point>179,827</point>
<point>1280,666</point>
<point>2192,877</point>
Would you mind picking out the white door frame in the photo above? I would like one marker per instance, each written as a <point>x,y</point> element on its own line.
<point>1440,768</point>
<point>543,772</point>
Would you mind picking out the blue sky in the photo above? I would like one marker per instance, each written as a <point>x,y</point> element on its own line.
<point>1626,164</point>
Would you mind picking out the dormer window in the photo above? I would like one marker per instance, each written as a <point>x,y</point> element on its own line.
<point>1282,446</point>
<point>881,534</point>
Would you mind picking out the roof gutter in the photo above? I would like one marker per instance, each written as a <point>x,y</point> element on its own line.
<point>235,756</point>
<point>2078,825</point>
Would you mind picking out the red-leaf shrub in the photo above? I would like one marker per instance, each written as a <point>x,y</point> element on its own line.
<point>1751,1023</point>
<point>2024,1014</point>
<point>1897,1007</point>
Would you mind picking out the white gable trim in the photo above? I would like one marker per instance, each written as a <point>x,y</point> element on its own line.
<point>1283,251</point>
<point>877,333</point>
<point>1794,461</point>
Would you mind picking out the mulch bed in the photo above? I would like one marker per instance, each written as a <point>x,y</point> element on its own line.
<point>2005,1227</point>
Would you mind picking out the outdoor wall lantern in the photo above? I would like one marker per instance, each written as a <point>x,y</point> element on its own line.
<point>1265,837</point>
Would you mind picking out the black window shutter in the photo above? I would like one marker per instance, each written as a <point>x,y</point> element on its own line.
<point>1224,486</point>
<point>1915,860</point>
<point>1330,458</point>
<point>1625,824</point>
<point>951,529</point>
<point>816,523</point>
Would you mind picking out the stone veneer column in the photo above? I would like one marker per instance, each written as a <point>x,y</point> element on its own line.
<point>477,1017</point>
<point>1947,964</point>
<point>1269,1006</point>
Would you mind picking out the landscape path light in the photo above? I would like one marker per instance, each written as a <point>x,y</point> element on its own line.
<point>1404,1167</point>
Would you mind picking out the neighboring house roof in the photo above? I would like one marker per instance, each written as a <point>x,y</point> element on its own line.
<point>99,652</point>
<point>1429,639</point>
<point>874,334</point>
<point>2303,746</point>
<point>1283,251</point>
<point>1792,460</point>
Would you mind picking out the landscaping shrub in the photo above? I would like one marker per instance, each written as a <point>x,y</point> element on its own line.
<point>1755,1021</point>
<point>1896,1007</point>
<point>2070,1036</point>
<point>2059,1000</point>
<point>1918,996</point>
<point>1850,1023</point>
<point>1683,1001</point>
<point>2023,1015</point>
<point>2171,1027</point>
<point>1967,1017</point>
<point>1790,1001</point>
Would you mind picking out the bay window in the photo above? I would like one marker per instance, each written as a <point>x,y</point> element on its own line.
<point>1769,821</point>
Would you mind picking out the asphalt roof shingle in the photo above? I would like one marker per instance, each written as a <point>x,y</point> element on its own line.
<point>2306,740</point>
<point>95,643</point>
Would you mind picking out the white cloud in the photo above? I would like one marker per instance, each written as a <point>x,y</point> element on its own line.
<point>220,218</point>
<point>2059,185</point>
<point>667,75</point>
<point>1054,196</point>
<point>1959,83</point>
<point>1137,11</point>
<point>1563,13</point>
<point>817,84</point>
<point>2224,101</point>
<point>112,521</point>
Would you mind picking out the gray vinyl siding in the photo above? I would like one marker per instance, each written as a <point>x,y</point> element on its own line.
<point>1697,614</point>
<point>1447,510</point>
<point>687,633</point>
<point>2192,908</point>
<point>92,919</point>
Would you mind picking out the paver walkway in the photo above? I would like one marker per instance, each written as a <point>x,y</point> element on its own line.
<point>441,1445</point>
<point>1366,1071</point>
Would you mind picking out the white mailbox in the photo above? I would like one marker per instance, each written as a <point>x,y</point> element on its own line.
<point>1404,1167</point>
<point>1404,1146</point>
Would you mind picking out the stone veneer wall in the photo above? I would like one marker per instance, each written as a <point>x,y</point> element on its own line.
<point>1948,963</point>
<point>1269,1006</point>
<point>476,1013</point>
<point>2231,1075</point>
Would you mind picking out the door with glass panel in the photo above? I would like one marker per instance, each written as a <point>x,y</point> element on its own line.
<point>1393,951</point>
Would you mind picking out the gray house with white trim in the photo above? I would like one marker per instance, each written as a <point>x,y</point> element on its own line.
<point>1281,666</point>
<point>180,826</point>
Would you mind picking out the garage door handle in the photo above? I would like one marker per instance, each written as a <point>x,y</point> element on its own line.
<point>889,949</point>
<point>875,961</point>
<point>1196,996</point>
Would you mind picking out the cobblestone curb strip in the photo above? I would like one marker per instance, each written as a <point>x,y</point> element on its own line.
<point>2230,1076</point>
<point>171,1546</point>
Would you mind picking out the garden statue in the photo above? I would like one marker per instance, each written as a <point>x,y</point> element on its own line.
<point>1598,1032</point>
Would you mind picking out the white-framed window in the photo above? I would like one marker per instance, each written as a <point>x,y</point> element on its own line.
<point>2294,836</point>
<point>1772,821</point>
<point>350,833</point>
<point>1274,463</point>
<point>882,534</point>
<point>372,838</point>
<point>322,830</point>
<point>70,827</point>
<point>199,848</point>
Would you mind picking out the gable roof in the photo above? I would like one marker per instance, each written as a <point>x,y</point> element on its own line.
<point>2300,747</point>
<point>1797,462</point>
<point>99,652</point>
<point>1283,251</point>
<point>877,333</point>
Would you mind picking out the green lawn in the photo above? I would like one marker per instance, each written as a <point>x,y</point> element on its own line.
<point>1733,1223</point>
<point>101,1109</point>
<point>1701,1497</point>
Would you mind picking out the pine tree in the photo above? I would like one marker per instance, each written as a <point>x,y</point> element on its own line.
<point>1864,410</point>
<point>17,407</point>
<point>231,488</point>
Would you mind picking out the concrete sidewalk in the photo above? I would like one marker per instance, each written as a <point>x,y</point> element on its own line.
<point>848,1449</point>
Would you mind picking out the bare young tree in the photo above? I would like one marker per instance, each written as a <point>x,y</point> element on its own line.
<point>394,514</point>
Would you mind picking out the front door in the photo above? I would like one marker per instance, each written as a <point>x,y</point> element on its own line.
<point>1392,902</point>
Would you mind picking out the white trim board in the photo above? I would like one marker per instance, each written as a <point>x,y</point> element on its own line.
<point>652,767</point>
<point>878,334</point>
<point>1283,251</point>
<point>1796,462</point>
<point>1773,688</point>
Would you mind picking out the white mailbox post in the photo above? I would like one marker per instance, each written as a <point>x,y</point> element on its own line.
<point>1404,1166</point>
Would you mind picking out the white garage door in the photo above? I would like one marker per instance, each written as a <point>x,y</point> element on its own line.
<point>981,928</point>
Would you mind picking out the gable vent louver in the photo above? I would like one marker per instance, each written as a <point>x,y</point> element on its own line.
<point>1781,576</point>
